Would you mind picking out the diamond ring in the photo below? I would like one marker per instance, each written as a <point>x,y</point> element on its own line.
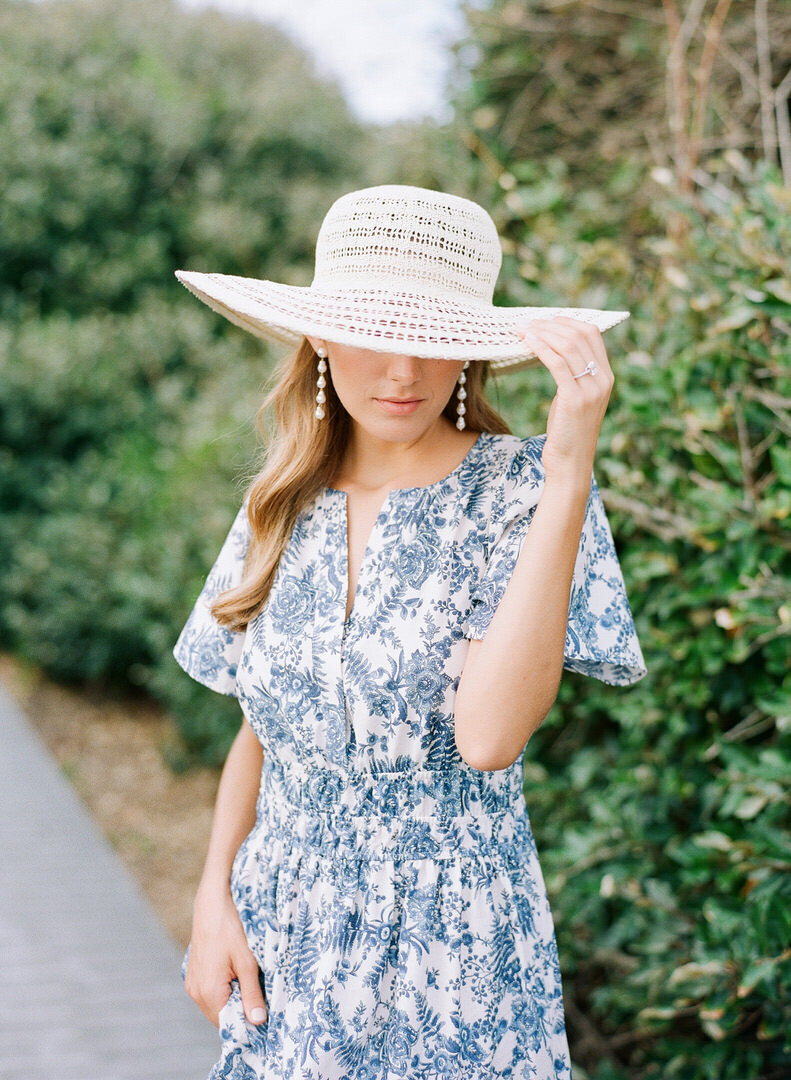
<point>590,369</point>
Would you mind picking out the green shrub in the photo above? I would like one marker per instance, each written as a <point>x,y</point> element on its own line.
<point>661,811</point>
<point>139,139</point>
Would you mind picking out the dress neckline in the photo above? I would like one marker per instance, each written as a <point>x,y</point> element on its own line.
<point>389,498</point>
<point>426,487</point>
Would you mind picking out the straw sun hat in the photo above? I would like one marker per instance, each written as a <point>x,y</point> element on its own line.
<point>398,269</point>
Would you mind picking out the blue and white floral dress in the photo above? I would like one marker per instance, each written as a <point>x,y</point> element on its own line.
<point>391,893</point>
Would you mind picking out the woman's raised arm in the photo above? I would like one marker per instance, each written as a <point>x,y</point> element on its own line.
<point>511,678</point>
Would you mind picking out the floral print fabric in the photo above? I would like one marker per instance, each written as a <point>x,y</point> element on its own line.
<point>391,893</point>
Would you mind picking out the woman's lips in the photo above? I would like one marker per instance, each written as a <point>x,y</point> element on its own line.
<point>399,408</point>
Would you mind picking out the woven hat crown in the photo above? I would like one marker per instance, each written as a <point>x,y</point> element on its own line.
<point>408,241</point>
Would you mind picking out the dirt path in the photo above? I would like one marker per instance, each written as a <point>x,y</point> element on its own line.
<point>158,821</point>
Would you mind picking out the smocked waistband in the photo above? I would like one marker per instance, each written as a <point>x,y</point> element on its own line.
<point>392,814</point>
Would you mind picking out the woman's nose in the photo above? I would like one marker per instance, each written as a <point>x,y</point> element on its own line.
<point>404,368</point>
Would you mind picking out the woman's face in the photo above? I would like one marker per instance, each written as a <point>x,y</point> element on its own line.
<point>364,380</point>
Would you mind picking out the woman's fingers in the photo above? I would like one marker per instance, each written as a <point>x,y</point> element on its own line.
<point>207,982</point>
<point>219,953</point>
<point>548,355</point>
<point>247,972</point>
<point>211,1008</point>
<point>566,346</point>
<point>210,1001</point>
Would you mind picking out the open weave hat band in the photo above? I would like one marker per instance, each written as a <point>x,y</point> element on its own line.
<point>382,320</point>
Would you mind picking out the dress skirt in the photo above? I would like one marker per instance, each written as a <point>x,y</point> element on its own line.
<point>402,929</point>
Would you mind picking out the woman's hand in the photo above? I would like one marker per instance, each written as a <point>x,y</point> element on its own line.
<point>565,345</point>
<point>218,953</point>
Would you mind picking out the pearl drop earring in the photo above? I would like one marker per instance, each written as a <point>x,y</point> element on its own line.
<point>321,382</point>
<point>462,394</point>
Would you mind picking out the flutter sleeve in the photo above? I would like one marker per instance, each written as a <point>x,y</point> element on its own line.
<point>205,649</point>
<point>601,638</point>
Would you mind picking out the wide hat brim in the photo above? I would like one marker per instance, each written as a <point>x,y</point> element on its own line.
<point>381,319</point>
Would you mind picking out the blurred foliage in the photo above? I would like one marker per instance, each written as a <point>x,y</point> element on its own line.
<point>661,812</point>
<point>139,139</point>
<point>119,446</point>
<point>586,81</point>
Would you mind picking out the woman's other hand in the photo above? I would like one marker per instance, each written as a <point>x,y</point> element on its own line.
<point>218,953</point>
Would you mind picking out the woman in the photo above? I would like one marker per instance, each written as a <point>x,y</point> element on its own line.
<point>393,607</point>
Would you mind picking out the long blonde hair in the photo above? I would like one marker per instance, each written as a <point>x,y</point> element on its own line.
<point>300,460</point>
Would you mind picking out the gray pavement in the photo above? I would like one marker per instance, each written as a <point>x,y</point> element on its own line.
<point>90,983</point>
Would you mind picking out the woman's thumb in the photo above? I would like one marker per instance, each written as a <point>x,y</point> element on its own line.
<point>252,995</point>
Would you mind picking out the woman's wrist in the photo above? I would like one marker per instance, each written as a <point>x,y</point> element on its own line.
<point>571,484</point>
<point>212,887</point>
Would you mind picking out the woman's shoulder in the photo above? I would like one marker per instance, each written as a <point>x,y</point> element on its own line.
<point>512,444</point>
<point>508,456</point>
<point>505,466</point>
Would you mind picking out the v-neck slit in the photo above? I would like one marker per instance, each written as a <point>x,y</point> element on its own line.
<point>368,544</point>
<point>422,489</point>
